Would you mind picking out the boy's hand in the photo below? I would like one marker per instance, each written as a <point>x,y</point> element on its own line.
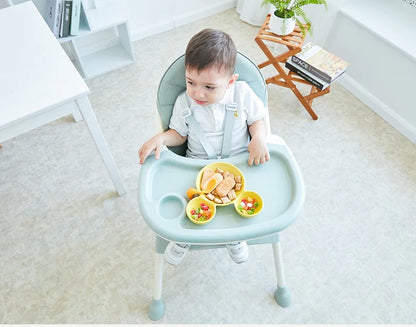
<point>155,143</point>
<point>259,153</point>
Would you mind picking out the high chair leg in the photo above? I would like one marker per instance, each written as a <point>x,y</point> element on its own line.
<point>157,306</point>
<point>282,294</point>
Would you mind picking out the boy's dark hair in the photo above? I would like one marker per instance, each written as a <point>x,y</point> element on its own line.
<point>211,48</point>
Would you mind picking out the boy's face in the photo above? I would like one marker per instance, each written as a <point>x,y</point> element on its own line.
<point>209,85</point>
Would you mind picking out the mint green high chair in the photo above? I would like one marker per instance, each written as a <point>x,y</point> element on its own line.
<point>163,184</point>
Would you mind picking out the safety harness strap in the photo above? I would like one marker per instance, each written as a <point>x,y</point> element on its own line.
<point>230,114</point>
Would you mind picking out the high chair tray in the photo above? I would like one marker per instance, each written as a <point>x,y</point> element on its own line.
<point>162,197</point>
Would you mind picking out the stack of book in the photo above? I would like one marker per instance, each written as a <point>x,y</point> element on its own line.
<point>63,17</point>
<point>316,65</point>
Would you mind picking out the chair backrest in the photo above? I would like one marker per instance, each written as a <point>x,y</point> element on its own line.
<point>173,83</point>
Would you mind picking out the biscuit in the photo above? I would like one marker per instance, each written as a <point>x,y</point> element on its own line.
<point>231,195</point>
<point>225,186</point>
<point>225,200</point>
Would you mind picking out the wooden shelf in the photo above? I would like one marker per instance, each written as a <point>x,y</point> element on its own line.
<point>293,42</point>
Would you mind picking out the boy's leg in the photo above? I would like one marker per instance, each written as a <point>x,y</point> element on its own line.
<point>175,252</point>
<point>238,251</point>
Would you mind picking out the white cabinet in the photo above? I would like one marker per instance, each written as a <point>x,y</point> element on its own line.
<point>103,43</point>
<point>100,50</point>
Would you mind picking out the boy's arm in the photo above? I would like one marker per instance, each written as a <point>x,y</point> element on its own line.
<point>156,143</point>
<point>257,147</point>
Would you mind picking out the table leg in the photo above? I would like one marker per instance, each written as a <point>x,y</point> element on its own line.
<point>76,115</point>
<point>96,133</point>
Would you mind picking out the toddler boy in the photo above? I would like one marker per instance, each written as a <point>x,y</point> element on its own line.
<point>211,85</point>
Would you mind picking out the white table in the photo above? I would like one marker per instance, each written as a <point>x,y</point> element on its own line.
<point>39,83</point>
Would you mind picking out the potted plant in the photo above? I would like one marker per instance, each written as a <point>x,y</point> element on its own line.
<point>287,13</point>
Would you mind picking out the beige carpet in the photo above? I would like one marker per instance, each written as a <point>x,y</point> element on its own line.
<point>72,251</point>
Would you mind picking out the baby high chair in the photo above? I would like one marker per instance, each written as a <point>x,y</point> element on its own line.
<point>163,184</point>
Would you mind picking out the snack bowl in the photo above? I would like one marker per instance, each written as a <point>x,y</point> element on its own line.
<point>248,204</point>
<point>198,209</point>
<point>225,166</point>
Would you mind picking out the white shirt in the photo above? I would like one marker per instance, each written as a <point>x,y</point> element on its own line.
<point>211,120</point>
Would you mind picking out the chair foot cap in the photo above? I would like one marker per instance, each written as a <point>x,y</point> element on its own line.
<point>282,296</point>
<point>156,310</point>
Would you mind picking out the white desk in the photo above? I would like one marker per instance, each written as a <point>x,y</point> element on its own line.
<point>38,82</point>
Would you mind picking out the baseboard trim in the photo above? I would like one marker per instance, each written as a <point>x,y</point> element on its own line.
<point>180,20</point>
<point>153,29</point>
<point>379,107</point>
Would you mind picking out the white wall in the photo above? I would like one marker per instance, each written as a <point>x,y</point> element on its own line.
<point>322,20</point>
<point>148,17</point>
<point>380,45</point>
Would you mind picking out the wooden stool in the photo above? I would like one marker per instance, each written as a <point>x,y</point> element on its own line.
<point>293,42</point>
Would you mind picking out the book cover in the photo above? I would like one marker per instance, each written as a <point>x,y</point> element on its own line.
<point>75,17</point>
<point>53,15</point>
<point>320,62</point>
<point>66,18</point>
<point>319,83</point>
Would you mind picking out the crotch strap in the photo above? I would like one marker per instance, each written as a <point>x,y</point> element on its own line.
<point>230,114</point>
